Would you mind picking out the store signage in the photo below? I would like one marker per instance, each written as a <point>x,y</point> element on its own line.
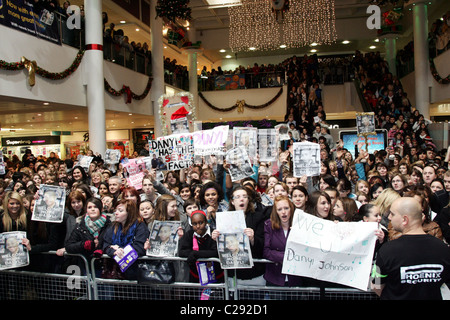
<point>29,141</point>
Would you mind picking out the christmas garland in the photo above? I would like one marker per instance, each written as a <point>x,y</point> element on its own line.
<point>436,75</point>
<point>241,103</point>
<point>126,90</point>
<point>13,66</point>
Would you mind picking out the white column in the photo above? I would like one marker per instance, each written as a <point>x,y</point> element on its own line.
<point>193,82</point>
<point>390,44</point>
<point>421,64</point>
<point>157,90</point>
<point>93,58</point>
<point>192,66</point>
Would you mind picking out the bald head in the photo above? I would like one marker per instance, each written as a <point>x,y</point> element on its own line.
<point>406,214</point>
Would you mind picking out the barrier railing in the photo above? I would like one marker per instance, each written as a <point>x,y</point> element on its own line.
<point>82,280</point>
<point>113,289</point>
<point>31,283</point>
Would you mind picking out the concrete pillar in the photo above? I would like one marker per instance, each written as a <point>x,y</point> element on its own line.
<point>421,63</point>
<point>390,44</point>
<point>93,58</point>
<point>193,81</point>
<point>157,47</point>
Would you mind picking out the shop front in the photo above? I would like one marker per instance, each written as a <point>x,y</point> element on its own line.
<point>39,146</point>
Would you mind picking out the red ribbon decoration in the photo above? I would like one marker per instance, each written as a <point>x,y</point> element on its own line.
<point>128,91</point>
<point>94,46</point>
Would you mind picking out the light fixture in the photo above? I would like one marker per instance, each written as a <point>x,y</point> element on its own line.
<point>228,56</point>
<point>313,50</point>
<point>259,24</point>
<point>283,46</point>
<point>313,44</point>
<point>137,29</point>
<point>345,42</point>
<point>252,48</point>
<point>123,21</point>
<point>222,50</point>
<point>372,47</point>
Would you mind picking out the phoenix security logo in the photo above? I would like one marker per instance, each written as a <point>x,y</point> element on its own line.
<point>374,21</point>
<point>423,273</point>
<point>74,19</point>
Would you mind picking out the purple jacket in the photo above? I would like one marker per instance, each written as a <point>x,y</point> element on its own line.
<point>274,246</point>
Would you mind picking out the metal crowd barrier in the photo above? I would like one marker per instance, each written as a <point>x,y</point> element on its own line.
<point>45,281</point>
<point>82,281</point>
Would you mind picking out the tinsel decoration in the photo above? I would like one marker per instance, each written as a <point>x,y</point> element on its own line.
<point>173,9</point>
<point>128,92</point>
<point>240,104</point>
<point>436,75</point>
<point>42,72</point>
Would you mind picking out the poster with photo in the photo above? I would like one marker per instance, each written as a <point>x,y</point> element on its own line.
<point>233,245</point>
<point>112,156</point>
<point>365,123</point>
<point>234,251</point>
<point>134,172</point>
<point>85,162</point>
<point>164,239</point>
<point>49,207</point>
<point>306,159</point>
<point>246,137</point>
<point>282,130</point>
<point>240,165</point>
<point>267,145</point>
<point>179,125</point>
<point>13,253</point>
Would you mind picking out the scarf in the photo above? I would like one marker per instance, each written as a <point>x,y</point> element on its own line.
<point>121,239</point>
<point>95,226</point>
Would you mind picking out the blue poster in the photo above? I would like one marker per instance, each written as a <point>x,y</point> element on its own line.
<point>374,142</point>
<point>27,17</point>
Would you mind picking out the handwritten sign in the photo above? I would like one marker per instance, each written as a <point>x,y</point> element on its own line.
<point>210,142</point>
<point>175,151</point>
<point>334,252</point>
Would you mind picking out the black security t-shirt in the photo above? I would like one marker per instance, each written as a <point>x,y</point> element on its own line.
<point>413,267</point>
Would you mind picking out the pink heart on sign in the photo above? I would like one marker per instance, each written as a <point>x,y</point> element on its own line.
<point>165,102</point>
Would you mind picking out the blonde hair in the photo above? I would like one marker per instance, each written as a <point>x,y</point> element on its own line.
<point>6,219</point>
<point>385,199</point>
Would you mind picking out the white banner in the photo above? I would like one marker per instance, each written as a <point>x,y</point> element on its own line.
<point>210,142</point>
<point>329,251</point>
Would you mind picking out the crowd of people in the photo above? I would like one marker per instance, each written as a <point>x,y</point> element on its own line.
<point>103,213</point>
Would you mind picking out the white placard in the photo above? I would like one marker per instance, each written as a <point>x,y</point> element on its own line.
<point>329,251</point>
<point>306,159</point>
